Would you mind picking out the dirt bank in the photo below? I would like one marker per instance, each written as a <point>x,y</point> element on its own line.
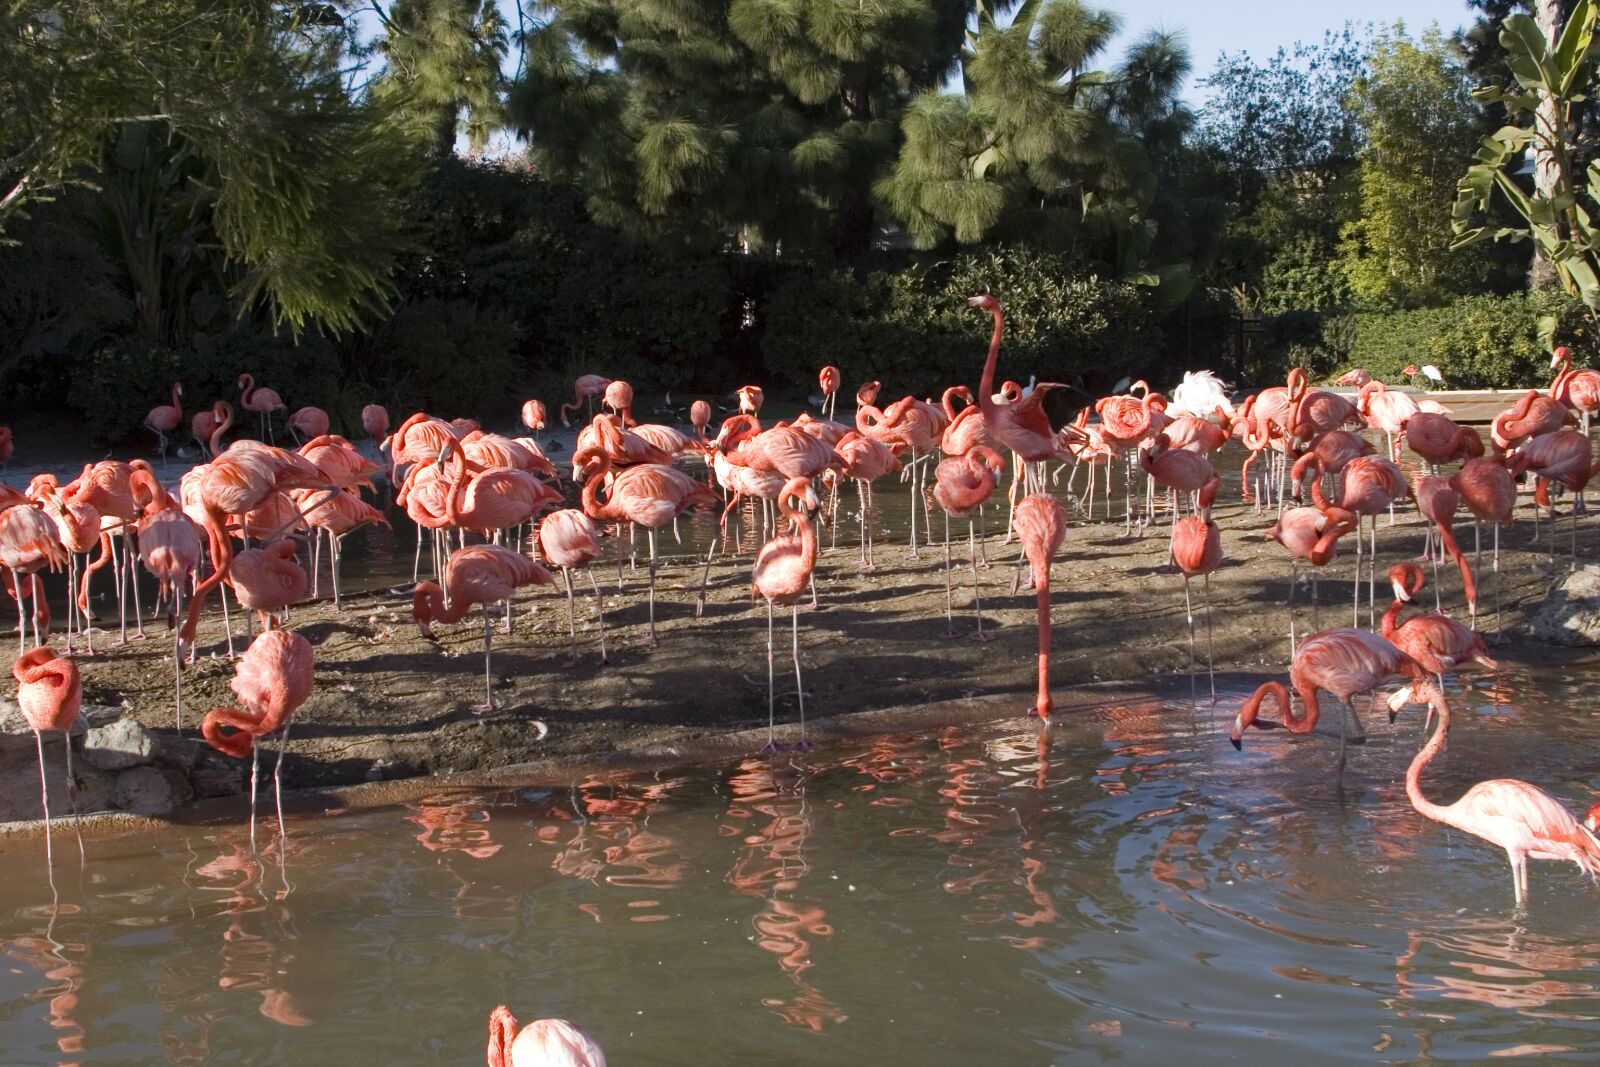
<point>390,704</point>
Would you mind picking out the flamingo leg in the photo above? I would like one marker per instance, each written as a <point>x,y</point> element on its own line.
<point>799,687</point>
<point>705,576</point>
<point>913,472</point>
<point>772,744</point>
<point>600,609</point>
<point>44,798</point>
<point>977,599</point>
<point>22,618</point>
<point>861,495</point>
<point>652,587</point>
<point>1372,575</point>
<point>488,678</point>
<point>572,628</point>
<point>277,779</point>
<point>1188,610</point>
<point>133,580</point>
<point>949,611</point>
<point>255,766</point>
<point>1294,580</point>
<point>1211,659</point>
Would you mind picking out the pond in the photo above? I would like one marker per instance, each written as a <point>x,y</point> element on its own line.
<point>1127,887</point>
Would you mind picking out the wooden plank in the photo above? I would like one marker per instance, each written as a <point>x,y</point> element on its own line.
<point>1466,405</point>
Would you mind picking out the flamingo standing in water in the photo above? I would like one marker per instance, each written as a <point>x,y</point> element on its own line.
<point>1437,642</point>
<point>1489,491</point>
<point>568,538</point>
<point>272,679</point>
<point>49,694</point>
<point>207,427</point>
<point>1386,410</point>
<point>1519,817</point>
<point>782,575</point>
<point>829,379</point>
<point>164,418</point>
<point>1342,662</point>
<point>262,401</point>
<point>1529,417</point>
<point>542,1043</point>
<point>375,421</point>
<point>1311,534</point>
<point>961,485</point>
<point>1042,526</point>
<point>1197,549</point>
<point>700,418</point>
<point>585,391</point>
<point>476,574</point>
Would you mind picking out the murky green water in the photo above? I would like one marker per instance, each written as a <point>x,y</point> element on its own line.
<point>1135,890</point>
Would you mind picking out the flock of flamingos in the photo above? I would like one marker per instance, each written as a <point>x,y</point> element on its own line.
<point>454,479</point>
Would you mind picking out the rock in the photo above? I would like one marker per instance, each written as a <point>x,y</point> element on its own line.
<point>144,791</point>
<point>173,750</point>
<point>1570,614</point>
<point>19,784</point>
<point>15,733</point>
<point>216,777</point>
<point>124,743</point>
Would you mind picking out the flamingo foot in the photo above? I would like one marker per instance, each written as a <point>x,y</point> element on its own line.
<point>483,709</point>
<point>771,748</point>
<point>804,745</point>
<point>984,638</point>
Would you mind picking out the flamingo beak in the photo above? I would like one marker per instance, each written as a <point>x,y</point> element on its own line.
<point>1400,592</point>
<point>1236,735</point>
<point>1399,700</point>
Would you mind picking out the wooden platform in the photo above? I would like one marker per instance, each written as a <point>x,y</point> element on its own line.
<point>1476,406</point>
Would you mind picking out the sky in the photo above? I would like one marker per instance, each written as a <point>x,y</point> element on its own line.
<point>1259,27</point>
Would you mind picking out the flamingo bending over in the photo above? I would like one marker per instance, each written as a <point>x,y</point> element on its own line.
<point>782,575</point>
<point>1489,491</point>
<point>584,392</point>
<point>828,380</point>
<point>1311,534</point>
<point>1437,642</point>
<point>308,422</point>
<point>542,1043</point>
<point>568,538</point>
<point>49,695</point>
<point>476,574</point>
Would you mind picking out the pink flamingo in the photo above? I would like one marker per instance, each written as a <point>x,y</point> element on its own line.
<point>1180,470</point>
<point>1439,439</point>
<point>1489,491</point>
<point>865,460</point>
<point>619,398</point>
<point>782,575</point>
<point>1310,534</point>
<point>489,450</point>
<point>336,517</point>
<point>1577,389</point>
<point>107,486</point>
<point>1195,433</point>
<point>568,538</point>
<point>1020,425</point>
<point>169,548</point>
<point>262,401</point>
<point>339,460</point>
<point>492,500</point>
<point>1328,454</point>
<point>700,418</point>
<point>78,529</point>
<point>967,428</point>
<point>1563,457</point>
<point>1319,411</point>
<point>961,485</point>
<point>375,421</point>
<point>750,399</point>
<point>585,391</point>
<point>905,424</point>
<point>1521,818</point>
<point>476,574</point>
<point>1342,662</point>
<point>1529,417</point>
<point>828,380</point>
<point>208,427</point>
<point>1355,378</point>
<point>419,439</point>
<point>650,495</point>
<point>28,544</point>
<point>1437,642</point>
<point>308,422</point>
<point>542,1043</point>
<point>1386,410</point>
<point>1197,550</point>
<point>164,418</point>
<point>268,579</point>
<point>534,417</point>
<point>1042,526</point>
<point>272,679</point>
<point>1371,485</point>
<point>1438,500</point>
<point>49,694</point>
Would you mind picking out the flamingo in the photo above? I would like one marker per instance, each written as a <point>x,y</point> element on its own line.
<point>584,392</point>
<point>1182,471</point>
<point>1195,433</point>
<point>961,485</point>
<point>78,529</point>
<point>1042,526</point>
<point>1356,378</point>
<point>542,1043</point>
<point>1564,457</point>
<point>1438,500</point>
<point>208,427</point>
<point>1370,486</point>
<point>1437,642</point>
<point>169,548</point>
<point>700,418</point>
<point>828,380</point>
<point>1329,453</point>
<point>750,399</point>
<point>49,695</point>
<point>649,495</point>
<point>1020,425</point>
<point>1197,550</point>
<point>375,421</point>
<point>476,574</point>
<point>340,462</point>
<point>28,544</point>
<point>1531,416</point>
<point>967,428</point>
<point>494,499</point>
<point>618,397</point>
<point>905,424</point>
<point>1386,410</point>
<point>1489,491</point>
<point>308,422</point>
<point>262,401</point>
<point>1342,662</point>
<point>1439,439</point>
<point>1319,411</point>
<point>272,679</point>
<point>782,575</point>
<point>164,418</point>
<point>419,439</point>
<point>1199,394</point>
<point>268,579</point>
<point>1521,818</point>
<point>568,538</point>
<point>865,460</point>
<point>107,486</point>
<point>1310,534</point>
<point>1577,389</point>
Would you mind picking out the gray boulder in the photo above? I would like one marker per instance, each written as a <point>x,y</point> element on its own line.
<point>144,791</point>
<point>1570,614</point>
<point>122,744</point>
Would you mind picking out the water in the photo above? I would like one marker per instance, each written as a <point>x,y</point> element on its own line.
<point>1134,890</point>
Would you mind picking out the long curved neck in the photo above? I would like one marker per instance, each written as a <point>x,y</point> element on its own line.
<point>1427,807</point>
<point>223,424</point>
<point>458,490</point>
<point>986,382</point>
<point>176,406</point>
<point>246,726</point>
<point>1313,711</point>
<point>1391,619</point>
<point>437,609</point>
<point>592,505</point>
<point>249,388</point>
<point>1323,550</point>
<point>221,563</point>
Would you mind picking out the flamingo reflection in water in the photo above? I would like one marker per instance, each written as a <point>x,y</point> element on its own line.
<point>60,964</point>
<point>771,870</point>
<point>458,828</point>
<point>613,842</point>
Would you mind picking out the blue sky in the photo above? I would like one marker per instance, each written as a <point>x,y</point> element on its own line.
<point>1261,26</point>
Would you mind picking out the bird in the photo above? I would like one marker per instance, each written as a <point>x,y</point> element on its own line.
<point>1200,393</point>
<point>1356,377</point>
<point>1438,500</point>
<point>341,463</point>
<point>1528,417</point>
<point>272,679</point>
<point>482,575</point>
<point>1385,410</point>
<point>170,549</point>
<point>906,425</point>
<point>268,579</point>
<point>49,695</point>
<point>209,425</point>
<point>1343,662</point>
<point>1489,492</point>
<point>961,485</point>
<point>542,1043</point>
<point>1020,425</point>
<point>78,530</point>
<point>28,544</point>
<point>618,397</point>
<point>1576,389</point>
<point>750,399</point>
<point>308,422</point>
<point>700,418</point>
<point>782,576</point>
<point>1328,454</point>
<point>335,517</point>
<point>1311,534</point>
<point>1562,456</point>
<point>1371,485</point>
<point>865,460</point>
<point>568,538</point>
<point>1519,817</point>
<point>534,417</point>
<point>1318,411</point>
<point>498,498</point>
<point>1041,526</point>
<point>1197,550</point>
<point>1439,439</point>
<point>262,401</point>
<point>1181,471</point>
<point>1427,370</point>
<point>164,418</point>
<point>828,380</point>
<point>649,495</point>
<point>585,391</point>
<point>375,421</point>
<point>1437,642</point>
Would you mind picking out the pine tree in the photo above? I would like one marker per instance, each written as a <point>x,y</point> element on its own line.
<point>442,62</point>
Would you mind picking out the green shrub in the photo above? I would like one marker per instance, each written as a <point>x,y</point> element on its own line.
<point>451,357</point>
<point>118,383</point>
<point>911,328</point>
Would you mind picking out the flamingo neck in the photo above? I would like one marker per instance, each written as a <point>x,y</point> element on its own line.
<point>1414,772</point>
<point>986,382</point>
<point>428,606</point>
<point>246,725</point>
<point>222,427</point>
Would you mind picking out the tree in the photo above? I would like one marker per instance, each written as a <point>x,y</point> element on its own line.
<point>442,62</point>
<point>1040,146</point>
<point>1417,119</point>
<point>298,177</point>
<point>1547,86</point>
<point>748,121</point>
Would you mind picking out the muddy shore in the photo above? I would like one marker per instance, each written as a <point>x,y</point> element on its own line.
<point>390,704</point>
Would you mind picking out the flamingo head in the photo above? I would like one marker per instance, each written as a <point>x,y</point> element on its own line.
<point>421,610</point>
<point>868,393</point>
<point>1406,579</point>
<point>985,301</point>
<point>245,381</point>
<point>1591,819</point>
<point>1560,356</point>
